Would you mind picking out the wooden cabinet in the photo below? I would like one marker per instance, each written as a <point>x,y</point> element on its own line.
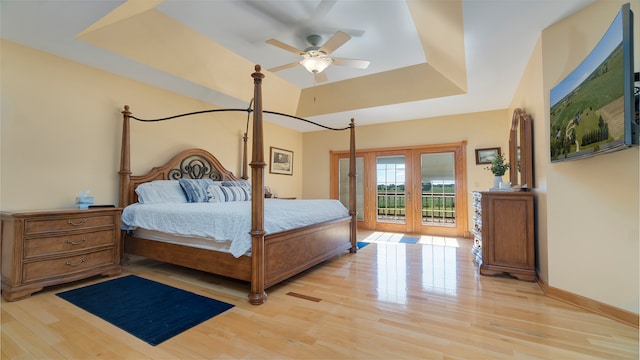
<point>505,239</point>
<point>42,248</point>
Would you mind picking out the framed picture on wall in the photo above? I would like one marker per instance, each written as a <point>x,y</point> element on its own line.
<point>281,161</point>
<point>485,156</point>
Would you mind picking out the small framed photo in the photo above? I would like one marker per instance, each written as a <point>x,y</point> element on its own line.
<point>281,161</point>
<point>485,156</point>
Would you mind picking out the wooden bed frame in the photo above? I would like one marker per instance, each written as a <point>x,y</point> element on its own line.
<point>274,257</point>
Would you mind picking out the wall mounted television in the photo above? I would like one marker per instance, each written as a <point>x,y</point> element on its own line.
<point>594,109</point>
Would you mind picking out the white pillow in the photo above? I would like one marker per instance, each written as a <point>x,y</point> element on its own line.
<point>161,191</point>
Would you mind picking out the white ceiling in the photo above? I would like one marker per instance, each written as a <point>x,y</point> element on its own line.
<point>499,37</point>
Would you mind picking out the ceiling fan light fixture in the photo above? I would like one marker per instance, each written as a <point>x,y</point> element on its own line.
<point>316,64</point>
<point>316,58</point>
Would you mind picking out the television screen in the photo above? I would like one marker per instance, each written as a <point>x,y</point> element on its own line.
<point>593,108</point>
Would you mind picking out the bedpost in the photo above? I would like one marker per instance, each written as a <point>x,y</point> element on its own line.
<point>245,138</point>
<point>125,174</point>
<point>257,295</point>
<point>352,187</point>
<point>125,161</point>
<point>244,158</point>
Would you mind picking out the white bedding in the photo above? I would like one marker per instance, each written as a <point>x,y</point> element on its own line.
<point>192,241</point>
<point>229,220</point>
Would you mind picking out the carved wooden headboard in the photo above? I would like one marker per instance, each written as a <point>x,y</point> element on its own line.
<point>188,164</point>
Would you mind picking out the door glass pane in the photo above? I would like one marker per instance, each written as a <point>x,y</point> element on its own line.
<point>438,189</point>
<point>343,185</point>
<point>390,189</point>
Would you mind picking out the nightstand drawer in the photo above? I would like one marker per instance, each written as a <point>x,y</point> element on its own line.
<point>68,243</point>
<point>66,265</point>
<point>65,223</point>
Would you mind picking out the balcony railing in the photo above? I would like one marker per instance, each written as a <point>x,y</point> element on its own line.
<point>437,208</point>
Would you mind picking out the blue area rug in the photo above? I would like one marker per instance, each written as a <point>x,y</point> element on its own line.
<point>148,310</point>
<point>362,244</point>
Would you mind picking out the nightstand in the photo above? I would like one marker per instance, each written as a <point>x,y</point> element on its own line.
<point>42,248</point>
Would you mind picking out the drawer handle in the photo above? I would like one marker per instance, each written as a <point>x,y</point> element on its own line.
<point>76,243</point>
<point>74,265</point>
<point>77,224</point>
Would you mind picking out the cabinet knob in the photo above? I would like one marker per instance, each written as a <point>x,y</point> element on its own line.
<point>77,224</point>
<point>76,243</point>
<point>76,264</point>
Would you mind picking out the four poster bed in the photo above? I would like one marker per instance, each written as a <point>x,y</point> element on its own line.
<point>272,256</point>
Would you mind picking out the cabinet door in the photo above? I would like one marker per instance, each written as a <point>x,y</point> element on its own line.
<point>509,232</point>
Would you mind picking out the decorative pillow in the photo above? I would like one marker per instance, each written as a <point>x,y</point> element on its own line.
<point>160,191</point>
<point>236,193</point>
<point>215,194</point>
<point>196,189</point>
<point>243,183</point>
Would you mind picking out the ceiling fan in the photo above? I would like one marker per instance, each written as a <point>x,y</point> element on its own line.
<point>316,58</point>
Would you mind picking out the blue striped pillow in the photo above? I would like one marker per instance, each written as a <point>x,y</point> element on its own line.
<point>236,193</point>
<point>241,182</point>
<point>215,194</point>
<point>196,189</point>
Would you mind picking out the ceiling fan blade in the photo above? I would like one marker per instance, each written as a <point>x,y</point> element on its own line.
<point>321,11</point>
<point>338,39</point>
<point>269,11</point>
<point>354,63</point>
<point>284,46</point>
<point>320,77</point>
<point>283,67</point>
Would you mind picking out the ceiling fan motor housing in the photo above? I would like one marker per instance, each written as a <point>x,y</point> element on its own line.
<point>314,40</point>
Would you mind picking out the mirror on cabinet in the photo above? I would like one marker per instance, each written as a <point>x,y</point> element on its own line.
<point>521,150</point>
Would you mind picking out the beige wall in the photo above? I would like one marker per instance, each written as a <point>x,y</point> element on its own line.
<point>284,138</point>
<point>61,128</point>
<point>529,97</point>
<point>480,130</point>
<point>588,215</point>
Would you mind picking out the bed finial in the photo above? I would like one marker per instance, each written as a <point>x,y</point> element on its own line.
<point>257,75</point>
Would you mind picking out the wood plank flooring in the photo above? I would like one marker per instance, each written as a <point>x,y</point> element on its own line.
<point>389,301</point>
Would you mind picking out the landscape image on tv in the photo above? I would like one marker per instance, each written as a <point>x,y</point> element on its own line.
<point>587,107</point>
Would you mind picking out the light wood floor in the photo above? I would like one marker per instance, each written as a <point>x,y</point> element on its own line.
<point>389,301</point>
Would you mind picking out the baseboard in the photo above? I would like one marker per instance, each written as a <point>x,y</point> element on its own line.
<point>594,306</point>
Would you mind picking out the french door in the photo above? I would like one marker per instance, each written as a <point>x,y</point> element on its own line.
<point>410,190</point>
<point>392,191</point>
